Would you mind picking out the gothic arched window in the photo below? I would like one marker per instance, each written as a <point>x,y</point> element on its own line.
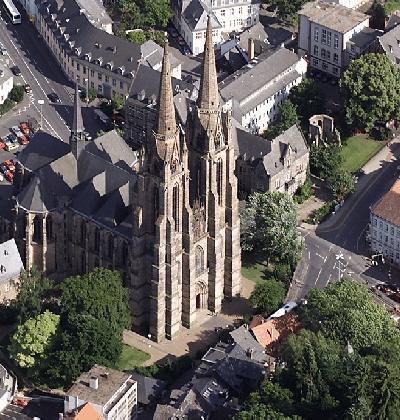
<point>219,180</point>
<point>97,239</point>
<point>83,232</point>
<point>175,206</point>
<point>110,246</point>
<point>199,257</point>
<point>155,202</point>
<point>83,262</point>
<point>37,235</point>
<point>49,227</point>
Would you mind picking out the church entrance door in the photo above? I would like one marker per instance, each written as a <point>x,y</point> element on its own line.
<point>201,296</point>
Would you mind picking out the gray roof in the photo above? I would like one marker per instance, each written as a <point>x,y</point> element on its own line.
<point>254,76</point>
<point>148,389</point>
<point>244,338</point>
<point>196,15</point>
<point>333,16</point>
<point>10,261</point>
<point>95,11</point>
<point>390,42</point>
<point>152,55</point>
<point>365,38</point>
<point>84,38</point>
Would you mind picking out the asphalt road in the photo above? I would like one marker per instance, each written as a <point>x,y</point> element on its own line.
<point>41,71</point>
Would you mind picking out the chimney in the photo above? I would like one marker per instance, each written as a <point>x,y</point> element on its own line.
<point>250,49</point>
<point>250,353</point>
<point>94,382</point>
<point>115,49</point>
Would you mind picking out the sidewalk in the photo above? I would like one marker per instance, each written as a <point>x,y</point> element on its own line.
<point>373,170</point>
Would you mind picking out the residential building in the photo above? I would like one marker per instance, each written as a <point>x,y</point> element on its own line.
<point>325,30</point>
<point>228,371</point>
<point>271,165</point>
<point>165,216</point>
<point>84,412</point>
<point>93,9</point>
<point>190,18</point>
<point>142,104</point>
<point>111,393</point>
<point>254,93</point>
<point>10,269</point>
<point>351,4</point>
<point>6,81</point>
<point>384,228</point>
<point>389,44</point>
<point>88,55</point>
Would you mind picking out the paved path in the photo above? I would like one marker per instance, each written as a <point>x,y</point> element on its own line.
<point>199,337</point>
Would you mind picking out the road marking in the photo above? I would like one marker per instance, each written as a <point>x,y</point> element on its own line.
<point>319,273</point>
<point>309,255</point>
<point>320,256</point>
<point>329,278</point>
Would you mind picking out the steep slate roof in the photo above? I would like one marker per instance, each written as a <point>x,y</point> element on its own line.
<point>365,38</point>
<point>388,207</point>
<point>390,43</point>
<point>148,389</point>
<point>10,260</point>
<point>195,16</point>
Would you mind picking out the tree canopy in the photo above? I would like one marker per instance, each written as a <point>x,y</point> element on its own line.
<point>287,116</point>
<point>370,87</point>
<point>287,9</point>
<point>269,225</point>
<point>33,338</point>
<point>268,296</point>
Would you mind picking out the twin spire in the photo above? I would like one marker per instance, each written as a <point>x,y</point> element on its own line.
<point>208,95</point>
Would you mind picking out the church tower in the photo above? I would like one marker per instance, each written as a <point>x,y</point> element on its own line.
<point>77,137</point>
<point>168,174</point>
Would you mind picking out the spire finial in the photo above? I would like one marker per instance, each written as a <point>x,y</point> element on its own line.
<point>208,95</point>
<point>166,122</point>
<point>77,138</point>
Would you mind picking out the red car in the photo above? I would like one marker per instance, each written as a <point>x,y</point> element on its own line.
<point>22,402</point>
<point>2,145</point>
<point>9,176</point>
<point>24,127</point>
<point>23,140</point>
<point>10,164</point>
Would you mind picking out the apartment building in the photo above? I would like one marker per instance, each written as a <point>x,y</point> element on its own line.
<point>88,55</point>
<point>190,18</point>
<point>384,228</point>
<point>111,393</point>
<point>255,92</point>
<point>6,82</point>
<point>10,269</point>
<point>325,29</point>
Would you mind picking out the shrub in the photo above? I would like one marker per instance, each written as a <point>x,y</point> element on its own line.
<point>319,215</point>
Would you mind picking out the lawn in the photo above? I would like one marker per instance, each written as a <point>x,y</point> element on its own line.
<point>254,269</point>
<point>130,358</point>
<point>358,150</point>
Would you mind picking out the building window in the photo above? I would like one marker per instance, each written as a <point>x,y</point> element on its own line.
<point>240,10</point>
<point>49,227</point>
<point>329,38</point>
<point>315,62</point>
<point>37,230</point>
<point>335,70</point>
<point>97,240</point>
<point>121,85</point>
<point>199,35</point>
<point>91,73</point>
<point>219,180</point>
<point>336,42</point>
<point>316,34</point>
<point>323,40</point>
<point>114,82</point>
<point>328,54</point>
<point>232,11</point>
<point>107,79</point>
<point>335,57</point>
<point>323,53</point>
<point>100,76</point>
<point>175,206</point>
<point>249,10</point>
<point>199,258</point>
<point>325,66</point>
<point>222,12</point>
<point>315,49</point>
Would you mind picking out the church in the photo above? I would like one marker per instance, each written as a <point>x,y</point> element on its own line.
<point>165,215</point>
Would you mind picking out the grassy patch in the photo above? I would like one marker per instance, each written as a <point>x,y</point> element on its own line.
<point>131,358</point>
<point>358,150</point>
<point>254,268</point>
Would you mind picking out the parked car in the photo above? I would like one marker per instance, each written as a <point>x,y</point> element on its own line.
<point>185,50</point>
<point>28,88</point>
<point>16,71</point>
<point>13,138</point>
<point>9,164</point>
<point>22,402</point>
<point>24,127</point>
<point>54,97</point>
<point>23,139</point>
<point>11,146</point>
<point>16,130</point>
<point>2,144</point>
<point>3,50</point>
<point>1,177</point>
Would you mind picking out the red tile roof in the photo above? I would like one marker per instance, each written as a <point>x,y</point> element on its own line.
<point>388,207</point>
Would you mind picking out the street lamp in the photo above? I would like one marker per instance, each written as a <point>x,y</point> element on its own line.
<point>41,103</point>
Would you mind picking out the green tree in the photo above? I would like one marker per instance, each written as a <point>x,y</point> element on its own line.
<point>89,294</point>
<point>32,340</point>
<point>308,100</point>
<point>341,184</point>
<point>287,9</point>
<point>16,94</point>
<point>370,87</point>
<point>34,295</point>
<point>117,102</point>
<point>287,117</point>
<point>377,12</point>
<point>345,312</point>
<point>269,225</point>
<point>144,14</point>
<point>268,296</point>
<point>325,160</point>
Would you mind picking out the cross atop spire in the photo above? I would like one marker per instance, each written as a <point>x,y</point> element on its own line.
<point>166,122</point>
<point>208,95</point>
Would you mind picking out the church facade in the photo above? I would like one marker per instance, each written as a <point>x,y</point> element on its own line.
<point>165,216</point>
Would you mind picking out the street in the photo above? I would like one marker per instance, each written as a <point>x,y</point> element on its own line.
<point>343,245</point>
<point>41,71</point>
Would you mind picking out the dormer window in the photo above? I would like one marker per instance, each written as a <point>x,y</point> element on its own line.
<point>78,51</point>
<point>120,70</point>
<point>110,65</point>
<point>66,37</point>
<point>99,61</point>
<point>131,74</point>
<point>53,17</point>
<point>88,56</point>
<point>71,44</point>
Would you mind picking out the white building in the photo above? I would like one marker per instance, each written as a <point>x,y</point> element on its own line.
<point>351,4</point>
<point>384,229</point>
<point>112,394</point>
<point>190,18</point>
<point>6,82</point>
<point>325,29</point>
<point>255,92</point>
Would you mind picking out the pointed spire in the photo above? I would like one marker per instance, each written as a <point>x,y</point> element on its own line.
<point>166,122</point>
<point>77,124</point>
<point>208,95</point>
